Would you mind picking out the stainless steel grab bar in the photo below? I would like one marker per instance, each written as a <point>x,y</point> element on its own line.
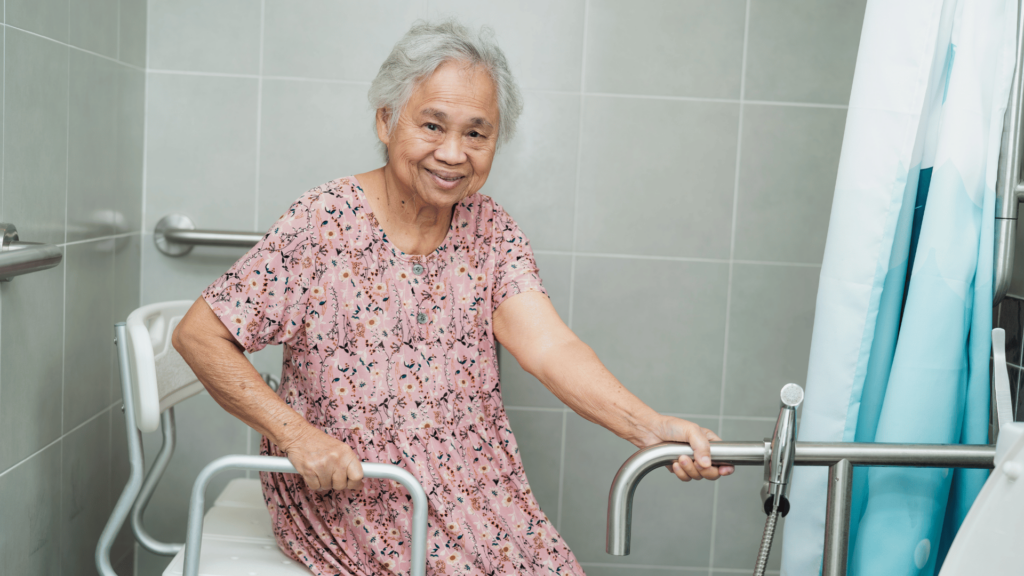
<point>840,457</point>
<point>175,235</point>
<point>1009,191</point>
<point>17,258</point>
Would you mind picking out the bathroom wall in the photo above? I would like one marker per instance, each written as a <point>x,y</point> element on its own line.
<point>674,170</point>
<point>72,122</point>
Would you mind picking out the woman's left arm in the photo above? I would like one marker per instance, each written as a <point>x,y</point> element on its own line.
<point>528,327</point>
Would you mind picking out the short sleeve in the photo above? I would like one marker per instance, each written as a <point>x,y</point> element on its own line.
<point>262,298</point>
<point>515,270</point>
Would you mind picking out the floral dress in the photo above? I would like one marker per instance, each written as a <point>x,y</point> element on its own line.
<point>394,355</point>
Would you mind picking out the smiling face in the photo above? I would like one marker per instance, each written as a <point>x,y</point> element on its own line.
<point>442,146</point>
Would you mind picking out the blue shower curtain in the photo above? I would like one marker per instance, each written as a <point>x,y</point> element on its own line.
<point>903,320</point>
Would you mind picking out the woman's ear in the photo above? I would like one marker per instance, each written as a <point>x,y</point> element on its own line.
<point>383,115</point>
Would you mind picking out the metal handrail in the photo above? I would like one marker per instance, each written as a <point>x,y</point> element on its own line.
<point>176,234</point>
<point>17,258</point>
<point>1009,191</point>
<point>194,538</point>
<point>840,457</point>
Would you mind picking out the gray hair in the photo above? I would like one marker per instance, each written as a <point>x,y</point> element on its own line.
<point>427,46</point>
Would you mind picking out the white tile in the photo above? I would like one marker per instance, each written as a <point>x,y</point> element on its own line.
<point>657,177</point>
<point>534,176</point>
<point>311,133</point>
<point>665,47</point>
<point>199,35</point>
<point>787,179</point>
<point>800,51</point>
<point>770,323</point>
<point>201,150</point>
<point>542,40</point>
<point>659,327</point>
<point>336,39</point>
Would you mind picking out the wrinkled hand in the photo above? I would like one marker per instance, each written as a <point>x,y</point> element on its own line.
<point>671,429</point>
<point>325,463</point>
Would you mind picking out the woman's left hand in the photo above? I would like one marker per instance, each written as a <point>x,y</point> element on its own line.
<point>671,429</point>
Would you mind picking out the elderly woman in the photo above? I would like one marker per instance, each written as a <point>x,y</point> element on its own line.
<point>388,291</point>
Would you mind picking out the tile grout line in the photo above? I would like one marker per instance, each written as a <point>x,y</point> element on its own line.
<point>676,258</point>
<point>145,163</point>
<point>259,120</point>
<point>729,281</point>
<point>97,239</point>
<point>170,71</point>
<point>55,440</point>
<point>572,260</point>
<point>72,46</point>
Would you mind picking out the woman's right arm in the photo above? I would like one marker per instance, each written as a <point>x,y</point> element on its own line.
<point>216,358</point>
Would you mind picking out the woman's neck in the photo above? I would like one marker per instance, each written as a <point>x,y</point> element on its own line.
<point>412,225</point>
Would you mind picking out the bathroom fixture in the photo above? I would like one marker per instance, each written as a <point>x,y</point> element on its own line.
<point>1009,189</point>
<point>840,457</point>
<point>175,235</point>
<point>238,537</point>
<point>17,258</point>
<point>778,470</point>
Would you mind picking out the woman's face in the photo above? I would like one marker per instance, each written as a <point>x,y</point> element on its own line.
<point>442,147</point>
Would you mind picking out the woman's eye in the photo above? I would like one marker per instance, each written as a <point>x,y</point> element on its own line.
<point>475,134</point>
<point>432,127</point>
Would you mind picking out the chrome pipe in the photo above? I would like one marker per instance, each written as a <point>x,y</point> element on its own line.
<point>1008,189</point>
<point>163,458</point>
<point>213,238</point>
<point>620,497</point>
<point>837,518</point>
<point>124,502</point>
<point>17,258</point>
<point>175,235</point>
<point>277,464</point>
<point>909,455</point>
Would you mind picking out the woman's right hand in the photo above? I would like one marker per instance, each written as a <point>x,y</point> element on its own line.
<point>325,463</point>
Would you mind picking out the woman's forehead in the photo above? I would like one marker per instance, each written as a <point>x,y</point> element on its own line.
<point>456,92</point>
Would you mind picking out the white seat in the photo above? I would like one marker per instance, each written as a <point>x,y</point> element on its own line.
<point>241,557</point>
<point>235,535</point>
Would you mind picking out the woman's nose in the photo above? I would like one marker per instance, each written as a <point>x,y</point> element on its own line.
<point>451,151</point>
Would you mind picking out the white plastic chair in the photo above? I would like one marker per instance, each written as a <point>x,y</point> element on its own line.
<point>237,539</point>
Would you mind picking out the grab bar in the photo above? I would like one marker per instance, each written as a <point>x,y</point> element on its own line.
<point>1009,191</point>
<point>17,258</point>
<point>176,234</point>
<point>840,457</point>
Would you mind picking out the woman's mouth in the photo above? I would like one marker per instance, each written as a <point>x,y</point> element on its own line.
<point>446,180</point>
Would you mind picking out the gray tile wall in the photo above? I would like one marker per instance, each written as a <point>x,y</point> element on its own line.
<point>674,169</point>
<point>72,122</point>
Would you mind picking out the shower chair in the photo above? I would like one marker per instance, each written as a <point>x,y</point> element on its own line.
<point>234,537</point>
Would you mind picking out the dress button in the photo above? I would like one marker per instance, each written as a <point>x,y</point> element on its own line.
<point>417,269</point>
<point>421,317</point>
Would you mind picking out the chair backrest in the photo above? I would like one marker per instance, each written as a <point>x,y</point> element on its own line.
<point>160,376</point>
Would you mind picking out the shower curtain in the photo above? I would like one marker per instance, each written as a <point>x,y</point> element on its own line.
<point>902,329</point>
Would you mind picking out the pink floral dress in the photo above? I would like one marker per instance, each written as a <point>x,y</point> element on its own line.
<point>394,355</point>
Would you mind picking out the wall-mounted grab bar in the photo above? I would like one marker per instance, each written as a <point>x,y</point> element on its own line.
<point>839,457</point>
<point>175,235</point>
<point>1009,191</point>
<point>17,258</point>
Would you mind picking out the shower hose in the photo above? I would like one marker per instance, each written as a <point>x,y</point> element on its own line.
<point>766,542</point>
